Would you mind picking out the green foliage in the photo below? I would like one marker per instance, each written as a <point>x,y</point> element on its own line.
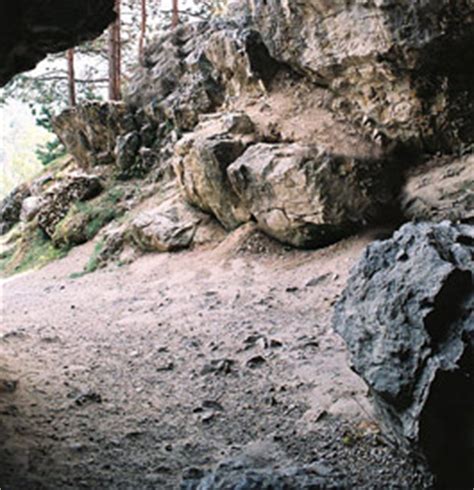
<point>50,151</point>
<point>32,251</point>
<point>93,263</point>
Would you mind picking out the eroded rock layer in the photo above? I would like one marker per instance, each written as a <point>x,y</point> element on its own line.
<point>399,66</point>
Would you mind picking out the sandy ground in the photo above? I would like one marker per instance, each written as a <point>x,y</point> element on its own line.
<point>129,377</point>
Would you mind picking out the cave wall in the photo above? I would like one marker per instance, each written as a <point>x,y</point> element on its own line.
<point>31,29</point>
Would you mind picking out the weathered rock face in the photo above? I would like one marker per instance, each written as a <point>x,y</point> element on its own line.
<point>59,198</point>
<point>402,65</point>
<point>30,29</point>
<point>10,208</point>
<point>202,161</point>
<point>440,190</point>
<point>173,225</point>
<point>192,70</point>
<point>112,135</point>
<point>407,316</point>
<point>90,131</point>
<point>305,197</point>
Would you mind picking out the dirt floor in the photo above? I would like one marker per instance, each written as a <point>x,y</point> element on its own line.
<point>130,377</point>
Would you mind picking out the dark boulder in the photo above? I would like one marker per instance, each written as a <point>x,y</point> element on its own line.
<point>407,316</point>
<point>238,474</point>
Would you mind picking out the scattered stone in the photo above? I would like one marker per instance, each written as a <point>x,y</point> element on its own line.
<point>255,362</point>
<point>166,367</point>
<point>218,366</point>
<point>88,397</point>
<point>318,280</point>
<point>8,386</point>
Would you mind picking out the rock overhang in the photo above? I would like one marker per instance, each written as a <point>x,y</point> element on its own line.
<point>31,29</point>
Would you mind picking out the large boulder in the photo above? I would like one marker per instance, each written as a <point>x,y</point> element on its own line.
<point>203,157</point>
<point>173,225</point>
<point>30,29</point>
<point>58,199</point>
<point>404,66</point>
<point>407,316</point>
<point>10,207</point>
<point>306,197</point>
<point>439,190</point>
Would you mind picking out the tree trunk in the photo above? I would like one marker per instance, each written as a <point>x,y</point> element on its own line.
<point>175,14</point>
<point>141,47</point>
<point>71,78</point>
<point>115,56</point>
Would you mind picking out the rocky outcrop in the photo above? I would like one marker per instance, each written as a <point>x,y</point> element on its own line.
<point>30,29</point>
<point>439,190</point>
<point>10,208</point>
<point>264,117</point>
<point>90,131</point>
<point>305,197</point>
<point>58,199</point>
<point>202,162</point>
<point>407,316</point>
<point>194,69</point>
<point>400,67</point>
<point>111,136</point>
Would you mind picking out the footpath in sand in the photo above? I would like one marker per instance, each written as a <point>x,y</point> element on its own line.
<point>130,377</point>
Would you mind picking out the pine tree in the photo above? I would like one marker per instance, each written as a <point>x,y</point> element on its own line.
<point>115,63</point>
<point>71,78</point>
<point>175,14</point>
<point>141,44</point>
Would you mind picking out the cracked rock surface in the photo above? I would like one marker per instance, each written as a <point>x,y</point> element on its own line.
<point>407,316</point>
